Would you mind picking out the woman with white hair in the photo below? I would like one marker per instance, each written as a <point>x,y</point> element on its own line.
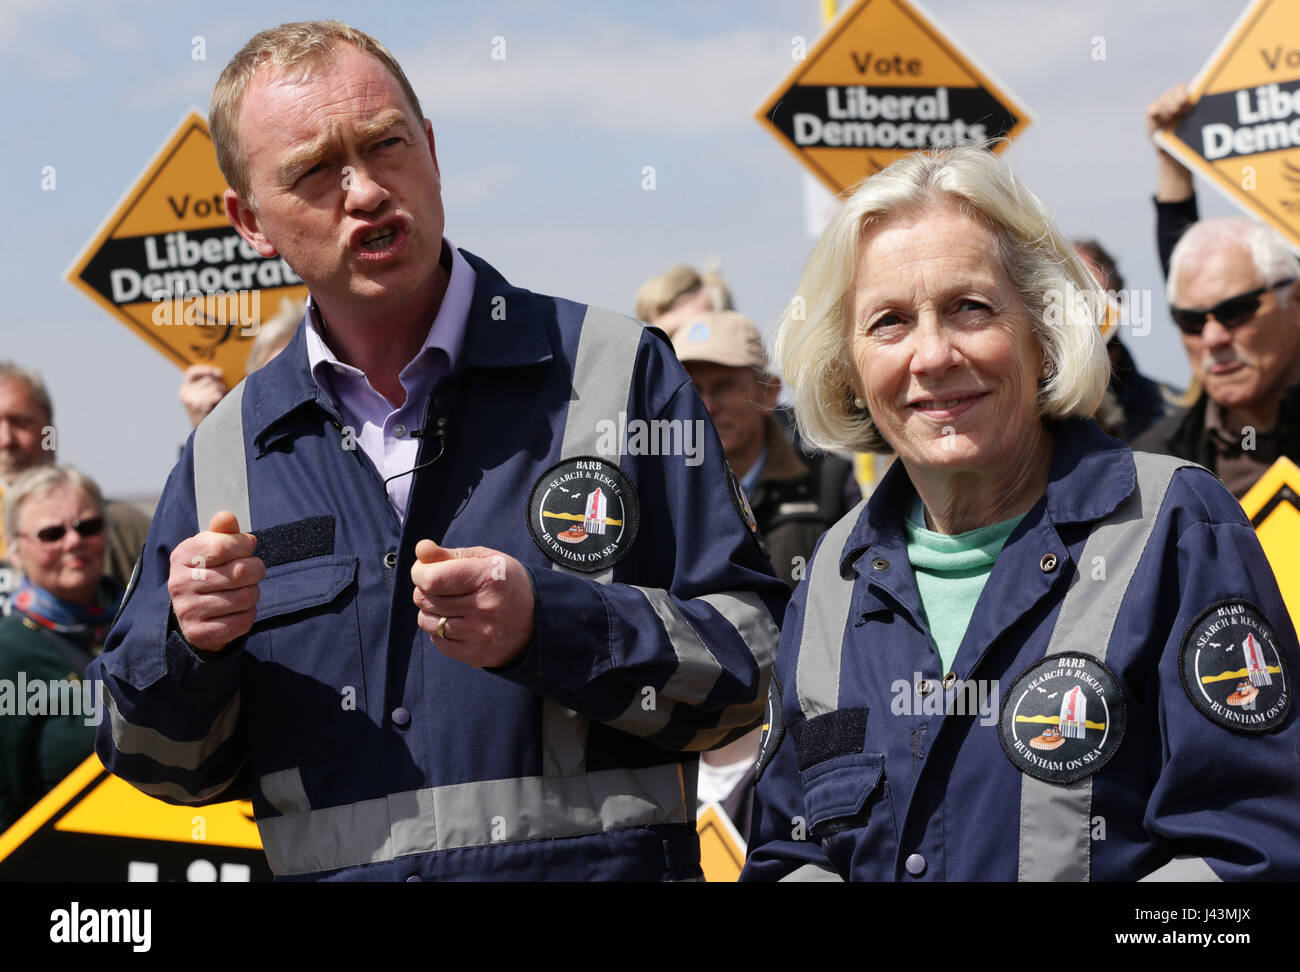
<point>55,529</point>
<point>1031,654</point>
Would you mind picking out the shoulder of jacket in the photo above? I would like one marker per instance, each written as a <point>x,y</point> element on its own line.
<point>835,541</point>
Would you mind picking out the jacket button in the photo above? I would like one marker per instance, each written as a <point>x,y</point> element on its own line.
<point>390,559</point>
<point>399,430</point>
<point>950,680</point>
<point>924,686</point>
<point>414,878</point>
<point>401,717</point>
<point>1048,563</point>
<point>915,865</point>
<point>880,563</point>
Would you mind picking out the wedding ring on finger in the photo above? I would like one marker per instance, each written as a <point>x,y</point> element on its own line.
<point>441,630</point>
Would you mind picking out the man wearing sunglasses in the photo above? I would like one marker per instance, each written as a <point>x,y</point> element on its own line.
<point>1234,294</point>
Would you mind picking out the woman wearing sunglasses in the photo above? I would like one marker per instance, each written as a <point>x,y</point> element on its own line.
<point>54,526</point>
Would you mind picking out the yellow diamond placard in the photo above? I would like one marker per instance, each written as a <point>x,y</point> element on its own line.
<point>169,266</point>
<point>1243,131</point>
<point>722,849</point>
<point>1273,505</point>
<point>883,81</point>
<point>94,826</point>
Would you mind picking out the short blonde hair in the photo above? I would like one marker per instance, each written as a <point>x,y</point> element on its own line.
<point>657,295</point>
<point>303,45</point>
<point>42,479</point>
<point>812,341</point>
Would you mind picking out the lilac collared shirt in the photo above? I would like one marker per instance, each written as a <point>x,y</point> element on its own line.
<point>383,432</point>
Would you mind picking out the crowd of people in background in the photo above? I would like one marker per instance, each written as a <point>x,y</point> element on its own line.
<point>1232,287</point>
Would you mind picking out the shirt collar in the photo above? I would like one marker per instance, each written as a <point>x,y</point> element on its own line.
<point>1091,475</point>
<point>446,333</point>
<point>285,385</point>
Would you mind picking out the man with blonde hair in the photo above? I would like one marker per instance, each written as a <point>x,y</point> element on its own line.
<point>678,295</point>
<point>400,591</point>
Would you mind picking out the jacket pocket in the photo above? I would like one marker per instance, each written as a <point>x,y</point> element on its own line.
<point>306,672</point>
<point>850,813</point>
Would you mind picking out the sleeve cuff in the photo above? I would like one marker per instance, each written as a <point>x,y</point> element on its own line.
<point>1185,207</point>
<point>572,638</point>
<point>193,673</point>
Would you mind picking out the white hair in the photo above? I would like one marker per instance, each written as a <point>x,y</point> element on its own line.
<point>812,341</point>
<point>1273,260</point>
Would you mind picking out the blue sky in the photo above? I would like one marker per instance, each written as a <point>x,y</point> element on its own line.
<point>542,153</point>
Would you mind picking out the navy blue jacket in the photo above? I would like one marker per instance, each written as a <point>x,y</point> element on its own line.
<point>889,789</point>
<point>367,753</point>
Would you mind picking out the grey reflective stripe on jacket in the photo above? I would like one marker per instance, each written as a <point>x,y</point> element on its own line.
<point>602,380</point>
<point>1184,869</point>
<point>219,484</point>
<point>175,793</point>
<point>179,754</point>
<point>220,481</point>
<point>825,616</point>
<point>812,873</point>
<point>471,814</point>
<point>602,383</point>
<point>1056,818</point>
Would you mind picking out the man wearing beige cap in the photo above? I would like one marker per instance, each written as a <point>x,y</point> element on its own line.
<point>795,498</point>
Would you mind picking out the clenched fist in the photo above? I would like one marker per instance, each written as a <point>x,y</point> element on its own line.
<point>1173,179</point>
<point>1169,109</point>
<point>213,584</point>
<point>476,603</point>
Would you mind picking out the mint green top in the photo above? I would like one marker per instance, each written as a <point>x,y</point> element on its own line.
<point>950,574</point>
